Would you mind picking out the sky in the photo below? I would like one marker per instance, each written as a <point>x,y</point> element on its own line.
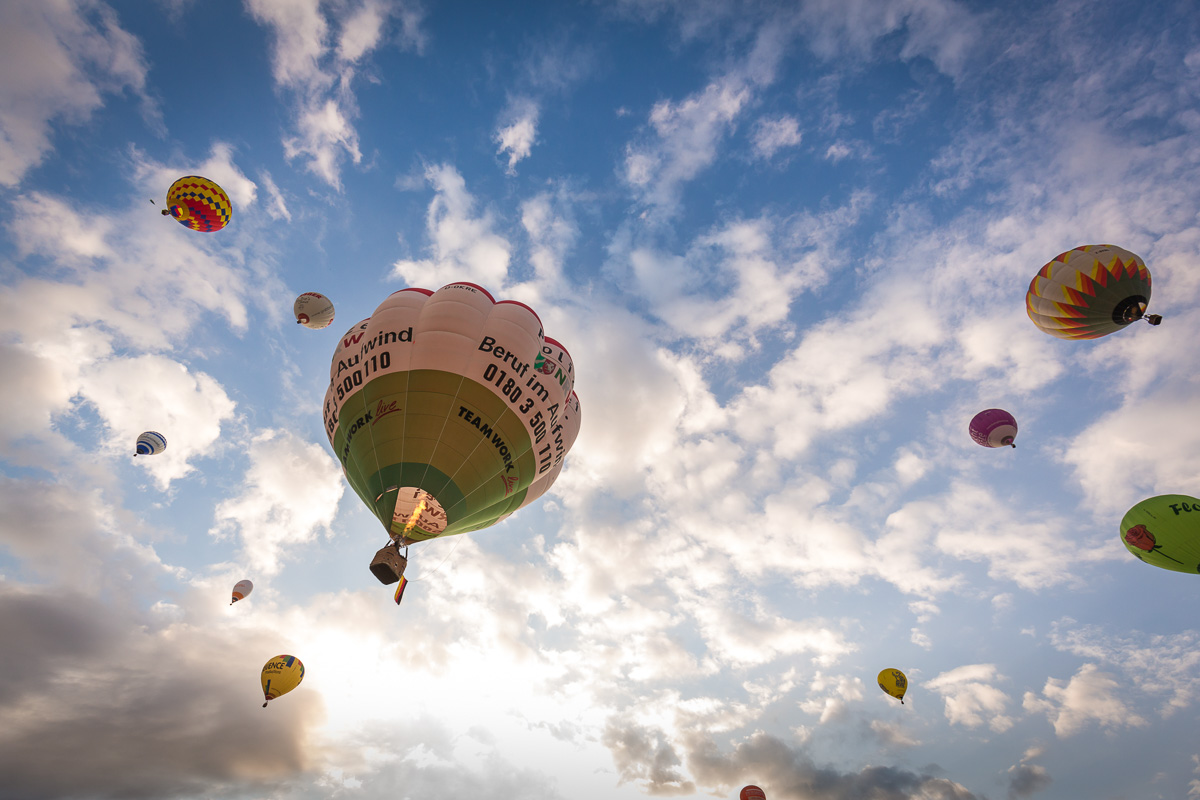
<point>786,245</point>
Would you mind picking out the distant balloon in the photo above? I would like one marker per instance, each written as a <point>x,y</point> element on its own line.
<point>752,792</point>
<point>1165,531</point>
<point>280,675</point>
<point>199,204</point>
<point>994,427</point>
<point>1090,292</point>
<point>313,310</point>
<point>150,443</point>
<point>240,590</point>
<point>894,683</point>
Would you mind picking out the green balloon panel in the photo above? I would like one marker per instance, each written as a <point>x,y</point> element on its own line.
<point>439,432</point>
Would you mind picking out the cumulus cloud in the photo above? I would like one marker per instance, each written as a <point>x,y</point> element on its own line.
<point>517,131</point>
<point>292,489</point>
<point>316,53</point>
<point>58,61</point>
<point>772,135</point>
<point>1026,778</point>
<point>462,244</point>
<point>1164,665</point>
<point>1089,696</point>
<point>972,698</point>
<point>789,772</point>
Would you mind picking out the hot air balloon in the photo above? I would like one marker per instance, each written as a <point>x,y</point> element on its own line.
<point>240,590</point>
<point>150,443</point>
<point>752,792</point>
<point>1090,292</point>
<point>1165,531</point>
<point>994,427</point>
<point>199,204</point>
<point>448,411</point>
<point>313,310</point>
<point>893,682</point>
<point>280,675</point>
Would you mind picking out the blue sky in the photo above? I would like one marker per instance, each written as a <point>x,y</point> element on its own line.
<point>786,245</point>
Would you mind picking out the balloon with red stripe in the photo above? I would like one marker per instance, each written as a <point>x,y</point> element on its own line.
<point>199,204</point>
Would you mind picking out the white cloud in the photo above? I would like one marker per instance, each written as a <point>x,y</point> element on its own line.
<point>943,31</point>
<point>518,131</point>
<point>972,698</point>
<point>772,135</point>
<point>58,60</point>
<point>150,392</point>
<point>1090,696</point>
<point>686,138</point>
<point>462,246</point>
<point>315,56</point>
<point>292,489</point>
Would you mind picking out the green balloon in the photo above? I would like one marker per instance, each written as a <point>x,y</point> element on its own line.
<point>1165,531</point>
<point>449,411</point>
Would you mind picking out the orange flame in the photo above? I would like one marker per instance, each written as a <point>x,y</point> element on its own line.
<point>416,512</point>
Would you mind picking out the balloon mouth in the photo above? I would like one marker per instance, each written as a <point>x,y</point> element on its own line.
<point>1008,440</point>
<point>1131,309</point>
<point>302,319</point>
<point>417,516</point>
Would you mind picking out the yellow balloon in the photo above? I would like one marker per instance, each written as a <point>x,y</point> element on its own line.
<point>280,675</point>
<point>894,683</point>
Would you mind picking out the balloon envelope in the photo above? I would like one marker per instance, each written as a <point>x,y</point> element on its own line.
<point>1165,531</point>
<point>313,310</point>
<point>894,683</point>
<point>151,443</point>
<point>994,427</point>
<point>751,792</point>
<point>199,204</point>
<point>1089,292</point>
<point>449,411</point>
<point>241,589</point>
<point>280,675</point>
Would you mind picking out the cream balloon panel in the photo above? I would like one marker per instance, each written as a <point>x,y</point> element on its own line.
<point>460,329</point>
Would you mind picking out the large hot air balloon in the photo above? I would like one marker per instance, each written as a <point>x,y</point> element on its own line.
<point>994,427</point>
<point>1090,292</point>
<point>150,443</point>
<point>279,676</point>
<point>240,590</point>
<point>198,203</point>
<point>1165,531</point>
<point>449,411</point>
<point>893,682</point>
<point>313,310</point>
<point>752,792</point>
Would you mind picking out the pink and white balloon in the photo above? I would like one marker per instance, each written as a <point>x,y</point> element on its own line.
<point>313,310</point>
<point>994,427</point>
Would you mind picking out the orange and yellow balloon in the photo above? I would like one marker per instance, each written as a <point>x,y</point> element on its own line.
<point>198,203</point>
<point>280,675</point>
<point>894,683</point>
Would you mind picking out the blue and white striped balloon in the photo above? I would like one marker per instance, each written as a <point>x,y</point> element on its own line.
<point>151,443</point>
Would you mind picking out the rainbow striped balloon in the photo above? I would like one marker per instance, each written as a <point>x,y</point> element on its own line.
<point>198,203</point>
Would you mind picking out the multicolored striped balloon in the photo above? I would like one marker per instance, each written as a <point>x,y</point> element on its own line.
<point>994,427</point>
<point>1089,292</point>
<point>198,203</point>
<point>150,443</point>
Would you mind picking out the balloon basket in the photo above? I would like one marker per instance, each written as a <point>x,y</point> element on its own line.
<point>388,565</point>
